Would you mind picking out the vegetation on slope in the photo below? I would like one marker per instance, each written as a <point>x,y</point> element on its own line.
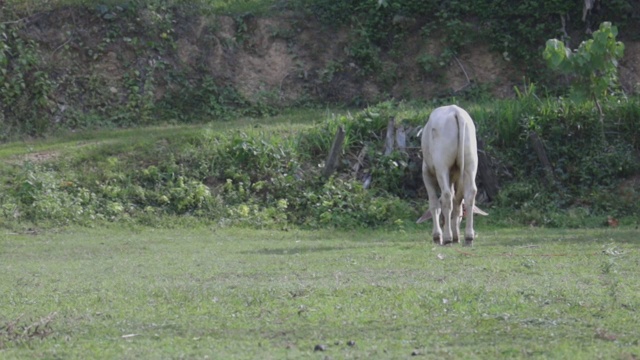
<point>81,64</point>
<point>266,177</point>
<point>271,176</point>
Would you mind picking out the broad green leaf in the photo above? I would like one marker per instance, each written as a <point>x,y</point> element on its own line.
<point>555,53</point>
<point>594,63</point>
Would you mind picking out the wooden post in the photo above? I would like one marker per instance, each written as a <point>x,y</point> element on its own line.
<point>538,147</point>
<point>486,173</point>
<point>388,145</point>
<point>334,154</point>
<point>401,139</point>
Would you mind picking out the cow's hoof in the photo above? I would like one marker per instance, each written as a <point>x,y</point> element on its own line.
<point>447,243</point>
<point>436,240</point>
<point>468,242</point>
<point>455,240</point>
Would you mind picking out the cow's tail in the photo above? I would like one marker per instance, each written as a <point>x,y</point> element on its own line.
<point>461,133</point>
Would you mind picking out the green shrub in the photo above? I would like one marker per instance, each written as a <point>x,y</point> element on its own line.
<point>593,66</point>
<point>39,194</point>
<point>347,204</point>
<point>25,87</point>
<point>623,120</point>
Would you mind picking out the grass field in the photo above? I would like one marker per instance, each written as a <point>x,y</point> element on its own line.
<point>224,293</point>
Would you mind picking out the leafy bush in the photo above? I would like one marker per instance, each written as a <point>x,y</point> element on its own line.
<point>40,194</point>
<point>25,87</point>
<point>623,120</point>
<point>347,204</point>
<point>594,65</point>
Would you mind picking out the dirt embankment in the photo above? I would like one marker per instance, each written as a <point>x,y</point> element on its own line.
<point>285,59</point>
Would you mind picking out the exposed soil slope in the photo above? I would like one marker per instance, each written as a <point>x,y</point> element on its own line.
<point>97,59</point>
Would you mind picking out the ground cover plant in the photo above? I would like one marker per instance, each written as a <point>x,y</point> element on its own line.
<point>268,173</point>
<point>202,292</point>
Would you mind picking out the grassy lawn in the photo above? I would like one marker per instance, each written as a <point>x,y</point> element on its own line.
<point>104,142</point>
<point>130,293</point>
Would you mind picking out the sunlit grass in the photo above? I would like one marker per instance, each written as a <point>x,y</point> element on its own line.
<point>292,120</point>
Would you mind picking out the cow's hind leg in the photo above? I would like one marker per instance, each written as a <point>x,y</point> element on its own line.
<point>446,203</point>
<point>470,191</point>
<point>456,214</point>
<point>434,205</point>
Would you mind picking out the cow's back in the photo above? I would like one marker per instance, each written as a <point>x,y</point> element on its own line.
<point>440,137</point>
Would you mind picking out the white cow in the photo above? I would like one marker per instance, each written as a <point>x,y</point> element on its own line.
<point>450,163</point>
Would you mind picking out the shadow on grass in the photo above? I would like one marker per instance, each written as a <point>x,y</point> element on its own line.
<point>298,250</point>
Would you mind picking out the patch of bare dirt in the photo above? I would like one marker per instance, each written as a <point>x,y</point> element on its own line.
<point>36,157</point>
<point>474,65</point>
<point>267,63</point>
<point>480,65</point>
<point>630,67</point>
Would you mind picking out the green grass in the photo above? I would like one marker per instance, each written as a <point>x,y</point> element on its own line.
<point>291,120</point>
<point>126,293</point>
